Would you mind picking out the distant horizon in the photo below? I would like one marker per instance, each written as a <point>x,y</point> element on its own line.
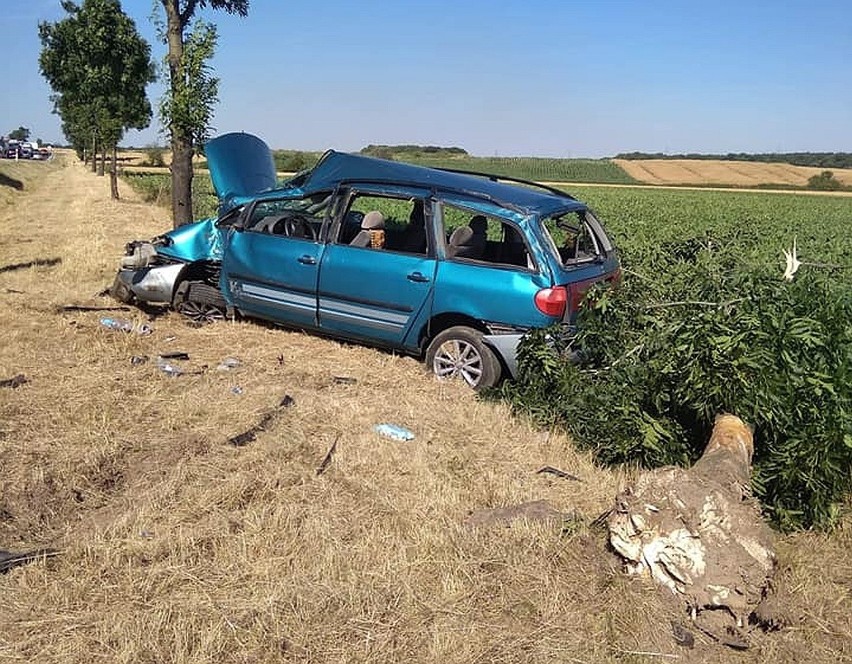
<point>527,156</point>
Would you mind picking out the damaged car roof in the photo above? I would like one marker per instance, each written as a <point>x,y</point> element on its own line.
<point>334,168</point>
<point>242,169</point>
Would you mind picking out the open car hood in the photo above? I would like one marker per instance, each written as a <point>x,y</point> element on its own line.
<point>241,165</point>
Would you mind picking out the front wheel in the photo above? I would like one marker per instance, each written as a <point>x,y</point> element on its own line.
<point>460,352</point>
<point>200,302</point>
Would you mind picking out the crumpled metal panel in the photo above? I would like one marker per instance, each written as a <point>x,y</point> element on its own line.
<point>194,242</point>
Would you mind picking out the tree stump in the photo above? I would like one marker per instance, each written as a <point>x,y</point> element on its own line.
<point>698,532</point>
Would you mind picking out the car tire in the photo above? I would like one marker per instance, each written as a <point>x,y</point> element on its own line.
<point>200,302</point>
<point>460,352</point>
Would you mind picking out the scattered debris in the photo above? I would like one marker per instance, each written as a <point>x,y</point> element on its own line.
<point>176,355</point>
<point>136,360</point>
<point>393,431</point>
<point>727,635</point>
<point>682,636</point>
<point>13,290</point>
<point>344,380</point>
<point>228,363</point>
<point>244,438</point>
<point>83,307</point>
<point>559,473</point>
<point>699,533</point>
<point>14,381</point>
<point>38,262</point>
<point>328,455</point>
<point>122,325</point>
<point>9,560</point>
<point>236,389</point>
<point>168,368</point>
<point>537,510</point>
<point>281,359</point>
<point>169,339</point>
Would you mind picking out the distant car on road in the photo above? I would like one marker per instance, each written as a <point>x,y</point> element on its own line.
<point>449,266</point>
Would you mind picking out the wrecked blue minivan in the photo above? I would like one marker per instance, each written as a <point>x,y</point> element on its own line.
<point>450,266</point>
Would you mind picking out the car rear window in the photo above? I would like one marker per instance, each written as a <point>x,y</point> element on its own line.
<point>576,237</point>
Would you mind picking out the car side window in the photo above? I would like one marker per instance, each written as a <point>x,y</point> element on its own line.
<point>473,236</point>
<point>385,222</point>
<point>300,218</point>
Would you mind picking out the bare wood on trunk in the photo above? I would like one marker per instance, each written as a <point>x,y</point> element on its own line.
<point>697,531</point>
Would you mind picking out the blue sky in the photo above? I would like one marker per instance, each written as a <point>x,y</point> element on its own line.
<point>503,77</point>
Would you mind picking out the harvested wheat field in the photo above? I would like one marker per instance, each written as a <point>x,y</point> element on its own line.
<point>175,546</point>
<point>724,173</point>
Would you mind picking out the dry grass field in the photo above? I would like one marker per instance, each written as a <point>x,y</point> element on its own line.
<point>179,547</point>
<point>723,173</point>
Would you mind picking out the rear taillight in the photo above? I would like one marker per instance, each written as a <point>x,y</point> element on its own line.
<point>552,301</point>
<point>577,290</point>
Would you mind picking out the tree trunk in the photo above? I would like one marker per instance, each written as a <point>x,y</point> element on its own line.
<point>102,161</point>
<point>181,181</point>
<point>181,138</point>
<point>113,174</point>
<point>94,153</point>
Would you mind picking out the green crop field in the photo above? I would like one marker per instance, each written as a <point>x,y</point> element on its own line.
<point>641,218</point>
<point>535,168</point>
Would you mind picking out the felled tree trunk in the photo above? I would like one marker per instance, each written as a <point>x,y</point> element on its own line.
<point>697,531</point>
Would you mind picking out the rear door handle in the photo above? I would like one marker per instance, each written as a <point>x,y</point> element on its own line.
<point>307,259</point>
<point>419,277</point>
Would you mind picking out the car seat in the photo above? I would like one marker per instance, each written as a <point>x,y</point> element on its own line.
<point>372,233</point>
<point>469,241</point>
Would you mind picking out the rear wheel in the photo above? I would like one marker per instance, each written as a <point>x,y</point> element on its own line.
<point>200,302</point>
<point>460,352</point>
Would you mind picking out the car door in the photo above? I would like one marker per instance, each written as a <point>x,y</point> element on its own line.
<point>495,280</point>
<point>379,294</point>
<point>268,274</point>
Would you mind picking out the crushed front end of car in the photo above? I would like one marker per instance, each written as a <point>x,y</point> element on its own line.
<point>151,270</point>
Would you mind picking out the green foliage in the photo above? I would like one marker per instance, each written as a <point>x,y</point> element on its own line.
<point>190,106</point>
<point>824,181</point>
<point>705,325</point>
<point>293,161</point>
<point>157,188</point>
<point>20,134</point>
<point>154,156</point>
<point>98,67</point>
<point>414,151</point>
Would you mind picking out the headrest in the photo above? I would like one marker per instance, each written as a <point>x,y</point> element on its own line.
<point>479,224</point>
<point>461,235</point>
<point>373,221</point>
